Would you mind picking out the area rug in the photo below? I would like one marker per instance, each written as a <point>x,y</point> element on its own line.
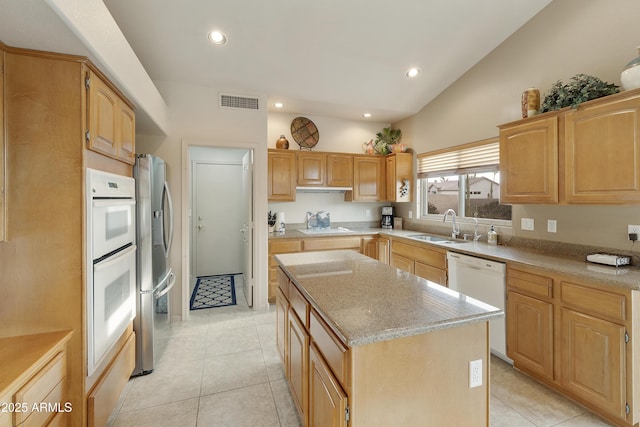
<point>213,291</point>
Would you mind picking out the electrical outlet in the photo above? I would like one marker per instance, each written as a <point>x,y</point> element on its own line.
<point>410,214</point>
<point>526,224</point>
<point>633,229</point>
<point>367,213</point>
<point>552,226</point>
<point>475,373</point>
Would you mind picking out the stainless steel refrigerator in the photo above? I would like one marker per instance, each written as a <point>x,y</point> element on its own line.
<point>154,233</point>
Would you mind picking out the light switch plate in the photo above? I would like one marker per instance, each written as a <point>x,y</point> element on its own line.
<point>526,224</point>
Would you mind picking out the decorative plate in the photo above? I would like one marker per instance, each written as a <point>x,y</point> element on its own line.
<point>304,132</point>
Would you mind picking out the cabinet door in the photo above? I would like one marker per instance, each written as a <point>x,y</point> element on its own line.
<point>529,162</point>
<point>430,273</point>
<point>281,326</point>
<point>281,176</point>
<point>399,175</point>
<point>384,250</point>
<point>530,333</point>
<point>602,153</point>
<point>339,170</point>
<point>403,263</point>
<point>298,359</point>
<point>593,361</point>
<point>370,247</point>
<point>126,134</point>
<point>312,169</point>
<point>103,113</point>
<point>327,401</point>
<point>368,179</point>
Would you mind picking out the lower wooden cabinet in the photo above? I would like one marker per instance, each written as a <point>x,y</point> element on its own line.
<point>327,401</point>
<point>593,361</point>
<point>428,263</point>
<point>577,338</point>
<point>530,333</point>
<point>298,363</point>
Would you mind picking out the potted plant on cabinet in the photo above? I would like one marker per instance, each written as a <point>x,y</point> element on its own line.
<point>387,141</point>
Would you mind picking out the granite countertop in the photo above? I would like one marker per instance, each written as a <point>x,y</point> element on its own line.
<point>365,301</point>
<point>546,259</point>
<point>566,263</point>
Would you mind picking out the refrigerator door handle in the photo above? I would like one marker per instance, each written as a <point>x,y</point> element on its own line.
<point>166,277</point>
<point>170,205</point>
<point>168,288</point>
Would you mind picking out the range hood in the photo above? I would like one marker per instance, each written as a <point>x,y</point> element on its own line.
<point>323,189</point>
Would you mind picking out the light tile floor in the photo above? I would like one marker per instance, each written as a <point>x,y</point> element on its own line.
<point>221,368</point>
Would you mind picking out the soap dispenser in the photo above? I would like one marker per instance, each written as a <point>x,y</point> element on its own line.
<point>492,236</point>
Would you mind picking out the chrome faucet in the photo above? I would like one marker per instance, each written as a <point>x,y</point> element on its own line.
<point>455,231</point>
<point>476,235</point>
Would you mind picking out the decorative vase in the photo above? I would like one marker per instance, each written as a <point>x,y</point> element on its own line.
<point>282,143</point>
<point>630,76</point>
<point>530,102</point>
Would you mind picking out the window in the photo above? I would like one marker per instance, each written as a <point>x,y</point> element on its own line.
<point>464,178</point>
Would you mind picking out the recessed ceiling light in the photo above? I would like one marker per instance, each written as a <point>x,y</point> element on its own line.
<point>278,105</point>
<point>217,37</point>
<point>413,72</point>
<point>366,115</point>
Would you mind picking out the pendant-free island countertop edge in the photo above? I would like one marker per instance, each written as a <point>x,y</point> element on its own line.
<point>365,301</point>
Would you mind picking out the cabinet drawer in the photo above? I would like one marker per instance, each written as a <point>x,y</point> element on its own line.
<point>531,284</point>
<point>334,352</point>
<point>594,301</point>
<point>430,273</point>
<point>299,304</point>
<point>283,282</point>
<point>320,244</point>
<point>46,386</point>
<point>284,246</point>
<point>424,255</point>
<point>105,395</point>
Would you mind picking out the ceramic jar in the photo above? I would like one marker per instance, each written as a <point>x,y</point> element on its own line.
<point>630,76</point>
<point>282,143</point>
<point>530,102</point>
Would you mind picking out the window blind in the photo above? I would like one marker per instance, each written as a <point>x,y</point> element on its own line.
<point>463,159</point>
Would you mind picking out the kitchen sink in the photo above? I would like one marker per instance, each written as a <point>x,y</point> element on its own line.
<point>436,239</point>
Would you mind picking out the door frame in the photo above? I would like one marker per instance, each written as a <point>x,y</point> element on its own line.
<point>260,247</point>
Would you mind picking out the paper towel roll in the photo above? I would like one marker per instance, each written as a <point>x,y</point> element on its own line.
<point>280,222</point>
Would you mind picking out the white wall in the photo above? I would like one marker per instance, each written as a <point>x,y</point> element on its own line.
<point>566,38</point>
<point>336,135</point>
<point>195,119</point>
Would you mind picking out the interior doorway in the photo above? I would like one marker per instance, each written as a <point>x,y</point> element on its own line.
<point>220,220</point>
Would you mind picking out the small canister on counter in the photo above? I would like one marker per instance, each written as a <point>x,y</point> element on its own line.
<point>530,102</point>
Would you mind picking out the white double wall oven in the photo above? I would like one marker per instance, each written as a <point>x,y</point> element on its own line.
<point>111,261</point>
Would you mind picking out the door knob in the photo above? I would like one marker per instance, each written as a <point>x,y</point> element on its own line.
<point>200,227</point>
<point>199,218</point>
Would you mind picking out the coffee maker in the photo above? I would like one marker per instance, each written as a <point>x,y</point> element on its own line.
<point>387,217</point>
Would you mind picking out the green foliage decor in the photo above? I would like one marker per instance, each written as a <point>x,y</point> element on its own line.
<point>385,139</point>
<point>580,88</point>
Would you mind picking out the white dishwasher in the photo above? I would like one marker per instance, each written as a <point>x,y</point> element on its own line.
<point>483,280</point>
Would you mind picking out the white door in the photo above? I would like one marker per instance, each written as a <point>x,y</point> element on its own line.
<point>217,218</point>
<point>247,225</point>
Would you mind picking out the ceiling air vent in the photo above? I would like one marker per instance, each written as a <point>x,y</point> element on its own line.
<point>235,101</point>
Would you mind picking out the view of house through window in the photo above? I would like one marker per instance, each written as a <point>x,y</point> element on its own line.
<point>471,195</point>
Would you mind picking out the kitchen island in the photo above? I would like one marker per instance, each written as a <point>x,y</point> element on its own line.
<point>365,342</point>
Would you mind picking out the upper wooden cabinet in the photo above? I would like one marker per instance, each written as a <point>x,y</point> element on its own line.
<point>602,151</point>
<point>339,170</point>
<point>529,161</point>
<point>111,128</point>
<point>312,169</point>
<point>587,155</point>
<point>368,179</point>
<point>399,173</point>
<point>325,169</point>
<point>281,176</point>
